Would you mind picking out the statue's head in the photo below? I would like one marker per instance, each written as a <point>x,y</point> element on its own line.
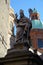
<point>21,13</point>
<point>30,10</point>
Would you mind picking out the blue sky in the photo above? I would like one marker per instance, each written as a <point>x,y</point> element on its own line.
<point>26,4</point>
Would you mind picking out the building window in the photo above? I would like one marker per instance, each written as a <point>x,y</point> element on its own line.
<point>40,43</point>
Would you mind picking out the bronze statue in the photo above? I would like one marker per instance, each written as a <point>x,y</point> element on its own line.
<point>24,26</point>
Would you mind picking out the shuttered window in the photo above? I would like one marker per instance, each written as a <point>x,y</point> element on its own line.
<point>40,43</point>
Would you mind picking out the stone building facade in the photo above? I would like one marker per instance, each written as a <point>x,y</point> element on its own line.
<point>11,25</point>
<point>4,25</point>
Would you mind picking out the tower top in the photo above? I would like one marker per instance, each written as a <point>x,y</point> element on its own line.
<point>34,10</point>
<point>34,15</point>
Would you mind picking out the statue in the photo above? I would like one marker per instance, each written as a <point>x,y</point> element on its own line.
<point>23,29</point>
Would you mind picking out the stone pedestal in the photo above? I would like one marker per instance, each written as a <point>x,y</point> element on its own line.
<point>20,57</point>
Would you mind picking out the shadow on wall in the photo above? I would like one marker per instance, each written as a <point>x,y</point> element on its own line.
<point>12,41</point>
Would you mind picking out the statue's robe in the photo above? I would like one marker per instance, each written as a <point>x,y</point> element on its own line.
<point>23,27</point>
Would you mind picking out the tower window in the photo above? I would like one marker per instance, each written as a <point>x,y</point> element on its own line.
<point>32,17</point>
<point>36,17</point>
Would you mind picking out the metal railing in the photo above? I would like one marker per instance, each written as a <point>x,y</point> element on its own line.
<point>3,41</point>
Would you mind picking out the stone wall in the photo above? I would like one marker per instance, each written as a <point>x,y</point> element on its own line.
<point>4,25</point>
